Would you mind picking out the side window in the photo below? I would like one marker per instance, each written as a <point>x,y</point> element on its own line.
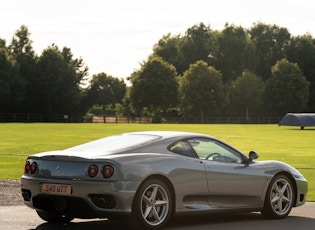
<point>183,148</point>
<point>213,150</point>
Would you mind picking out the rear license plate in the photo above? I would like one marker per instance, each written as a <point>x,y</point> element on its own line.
<point>62,189</point>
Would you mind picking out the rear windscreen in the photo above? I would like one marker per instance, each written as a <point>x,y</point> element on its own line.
<point>116,143</point>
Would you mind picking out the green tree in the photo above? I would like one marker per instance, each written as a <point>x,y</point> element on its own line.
<point>125,108</point>
<point>197,44</point>
<point>105,91</point>
<point>236,52</point>
<point>270,42</point>
<point>11,86</point>
<point>21,44</point>
<point>201,91</point>
<point>154,88</point>
<point>58,81</point>
<point>301,50</point>
<point>22,52</point>
<point>167,49</point>
<point>287,90</point>
<point>246,94</point>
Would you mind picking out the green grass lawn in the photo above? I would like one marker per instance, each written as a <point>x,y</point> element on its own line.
<point>288,144</point>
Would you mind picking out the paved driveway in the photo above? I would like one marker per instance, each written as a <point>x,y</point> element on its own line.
<point>23,218</point>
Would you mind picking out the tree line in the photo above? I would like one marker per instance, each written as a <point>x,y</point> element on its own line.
<point>262,71</point>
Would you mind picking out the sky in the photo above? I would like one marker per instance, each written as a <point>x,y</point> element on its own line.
<point>114,37</point>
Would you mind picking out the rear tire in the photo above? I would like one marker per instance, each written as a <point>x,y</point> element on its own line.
<point>53,218</point>
<point>153,204</point>
<point>279,198</point>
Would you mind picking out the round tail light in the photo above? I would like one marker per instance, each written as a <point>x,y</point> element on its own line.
<point>93,170</point>
<point>27,167</point>
<point>33,167</point>
<point>108,171</point>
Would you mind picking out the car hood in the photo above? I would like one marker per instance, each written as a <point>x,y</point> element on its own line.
<point>273,167</point>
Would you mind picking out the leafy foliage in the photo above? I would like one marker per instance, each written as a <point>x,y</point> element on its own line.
<point>57,83</point>
<point>201,91</point>
<point>287,89</point>
<point>199,74</point>
<point>246,94</point>
<point>302,52</point>
<point>235,54</point>
<point>105,91</point>
<point>270,42</point>
<point>154,88</point>
<point>9,81</point>
<point>197,44</point>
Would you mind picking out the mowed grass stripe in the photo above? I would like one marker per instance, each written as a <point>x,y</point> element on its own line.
<point>289,144</point>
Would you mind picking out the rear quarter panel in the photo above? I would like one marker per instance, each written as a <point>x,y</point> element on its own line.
<point>186,175</point>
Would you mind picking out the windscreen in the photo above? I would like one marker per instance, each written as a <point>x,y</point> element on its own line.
<point>116,143</point>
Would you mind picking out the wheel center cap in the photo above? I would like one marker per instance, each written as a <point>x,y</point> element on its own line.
<point>281,195</point>
<point>152,203</point>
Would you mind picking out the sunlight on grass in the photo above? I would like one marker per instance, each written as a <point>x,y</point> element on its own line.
<point>288,144</point>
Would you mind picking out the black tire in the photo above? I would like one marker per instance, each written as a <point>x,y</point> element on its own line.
<point>53,218</point>
<point>279,198</point>
<point>153,204</point>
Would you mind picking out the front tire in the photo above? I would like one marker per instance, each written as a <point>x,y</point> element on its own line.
<point>153,204</point>
<point>279,198</point>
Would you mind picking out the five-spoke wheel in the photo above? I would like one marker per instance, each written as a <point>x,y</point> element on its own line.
<point>153,204</point>
<point>280,197</point>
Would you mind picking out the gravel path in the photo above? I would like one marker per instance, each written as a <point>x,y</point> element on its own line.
<point>10,193</point>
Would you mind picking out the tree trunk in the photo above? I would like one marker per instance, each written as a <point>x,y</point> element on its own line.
<point>201,116</point>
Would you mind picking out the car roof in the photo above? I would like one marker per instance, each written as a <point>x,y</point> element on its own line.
<point>168,134</point>
<point>158,142</point>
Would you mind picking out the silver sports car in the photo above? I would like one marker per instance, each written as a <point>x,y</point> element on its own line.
<point>150,176</point>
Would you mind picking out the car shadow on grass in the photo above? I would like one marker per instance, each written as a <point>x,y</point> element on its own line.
<point>246,221</point>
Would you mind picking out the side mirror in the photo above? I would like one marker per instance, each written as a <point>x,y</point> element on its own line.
<point>253,155</point>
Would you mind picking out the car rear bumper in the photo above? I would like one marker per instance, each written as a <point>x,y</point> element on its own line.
<point>88,199</point>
